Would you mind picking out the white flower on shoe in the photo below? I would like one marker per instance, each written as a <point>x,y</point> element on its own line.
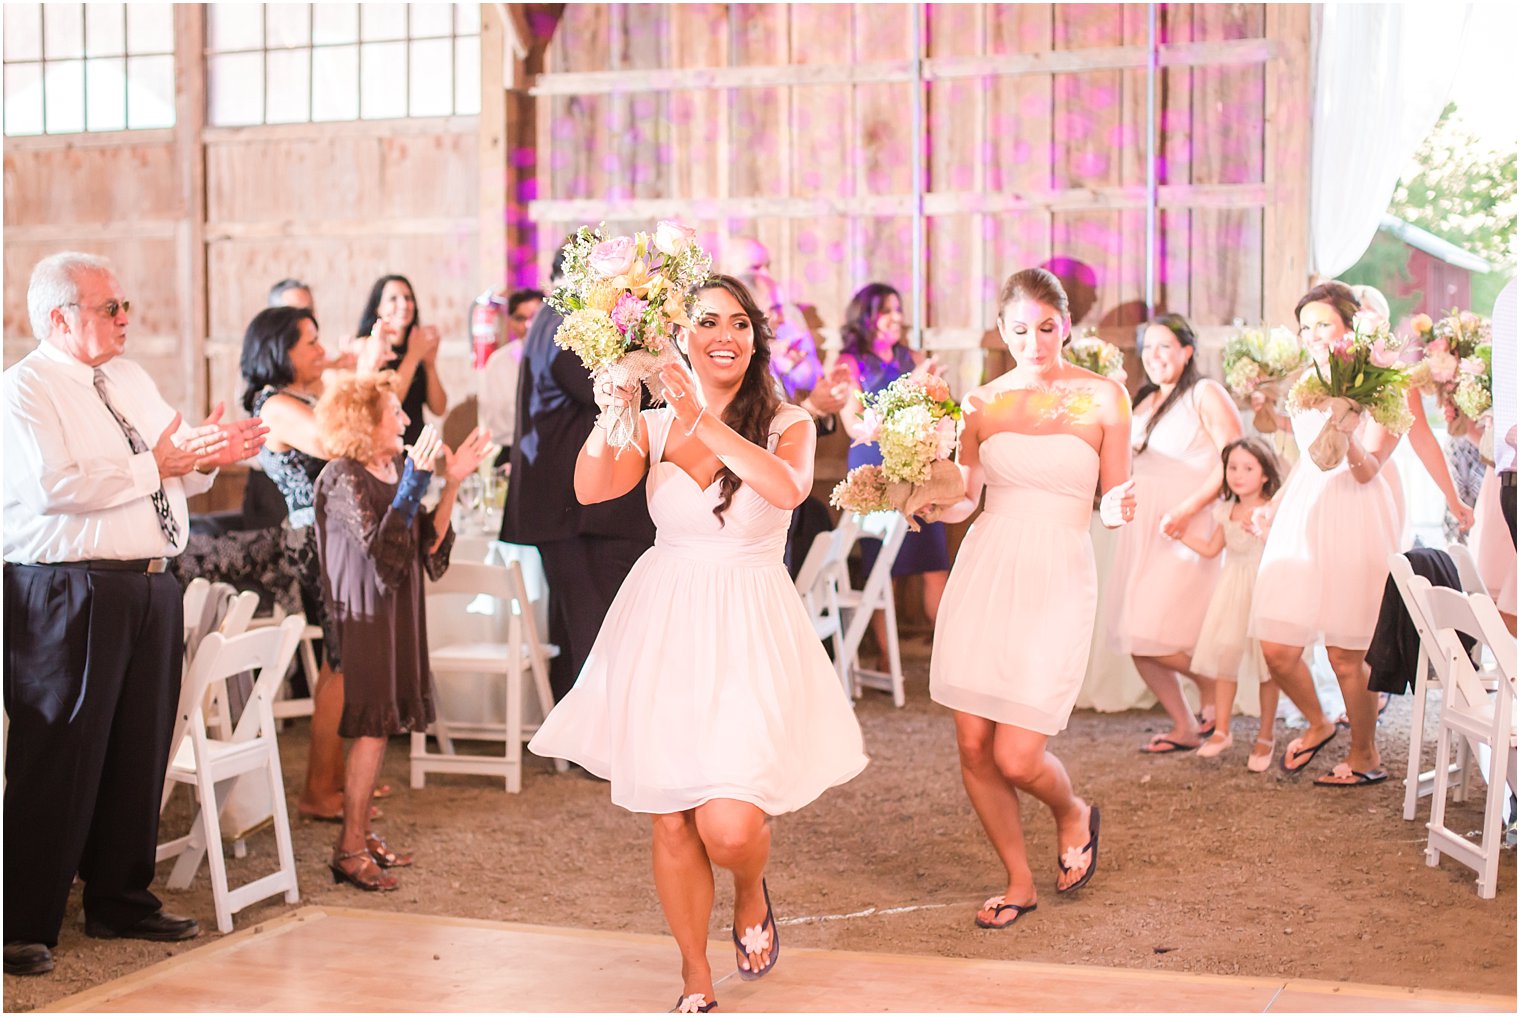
<point>994,903</point>
<point>692,1003</point>
<point>756,940</point>
<point>1073,857</point>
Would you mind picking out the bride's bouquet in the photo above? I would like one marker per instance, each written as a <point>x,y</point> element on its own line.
<point>1092,353</point>
<point>1455,365</point>
<point>914,421</point>
<point>621,299</point>
<point>1262,360</point>
<point>1360,372</point>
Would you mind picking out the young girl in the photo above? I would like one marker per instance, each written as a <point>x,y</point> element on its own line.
<point>1224,652</point>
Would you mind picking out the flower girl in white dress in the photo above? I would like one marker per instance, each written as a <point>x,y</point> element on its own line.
<point>708,700</point>
<point>1010,648</point>
<point>1224,651</point>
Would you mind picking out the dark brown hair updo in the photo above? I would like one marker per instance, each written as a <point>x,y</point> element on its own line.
<point>1034,284</point>
<point>1264,457</point>
<point>754,405</point>
<point>1337,294</point>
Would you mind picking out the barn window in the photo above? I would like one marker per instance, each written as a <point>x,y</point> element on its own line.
<point>88,67</point>
<point>300,63</point>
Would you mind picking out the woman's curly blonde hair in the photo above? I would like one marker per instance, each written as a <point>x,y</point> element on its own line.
<point>349,411</point>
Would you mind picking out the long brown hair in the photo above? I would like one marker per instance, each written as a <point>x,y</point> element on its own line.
<point>1183,332</point>
<point>1337,294</point>
<point>1270,470</point>
<point>754,405</point>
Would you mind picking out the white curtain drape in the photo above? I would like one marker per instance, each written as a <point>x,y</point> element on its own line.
<point>1383,75</point>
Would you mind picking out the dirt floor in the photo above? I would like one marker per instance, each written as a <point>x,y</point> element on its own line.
<point>1205,867</point>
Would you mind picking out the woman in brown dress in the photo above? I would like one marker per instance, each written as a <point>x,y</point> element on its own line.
<point>374,542</point>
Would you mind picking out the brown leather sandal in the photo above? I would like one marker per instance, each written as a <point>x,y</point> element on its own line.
<point>384,856</point>
<point>358,876</point>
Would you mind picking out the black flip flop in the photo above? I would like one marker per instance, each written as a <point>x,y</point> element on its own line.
<point>997,906</point>
<point>1171,746</point>
<point>1092,845</point>
<point>1312,750</point>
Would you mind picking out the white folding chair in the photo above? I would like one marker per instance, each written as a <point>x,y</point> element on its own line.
<point>521,652</point>
<point>1412,589</point>
<point>824,572</point>
<point>210,763</point>
<point>1467,568</point>
<point>195,604</point>
<point>1478,717</point>
<point>285,705</point>
<point>857,605</point>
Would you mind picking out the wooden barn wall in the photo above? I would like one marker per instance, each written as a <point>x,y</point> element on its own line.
<point>200,221</point>
<point>1036,167</point>
<point>339,205</point>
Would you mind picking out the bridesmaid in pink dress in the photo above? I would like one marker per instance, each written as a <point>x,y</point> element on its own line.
<point>1011,646</point>
<point>1161,586</point>
<point>1324,565</point>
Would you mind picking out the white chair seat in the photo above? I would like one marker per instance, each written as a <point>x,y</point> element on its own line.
<point>499,591</point>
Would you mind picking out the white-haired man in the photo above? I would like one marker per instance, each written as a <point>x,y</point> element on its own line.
<point>93,620</point>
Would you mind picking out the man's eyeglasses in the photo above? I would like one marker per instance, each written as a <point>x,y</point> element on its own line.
<point>110,308</point>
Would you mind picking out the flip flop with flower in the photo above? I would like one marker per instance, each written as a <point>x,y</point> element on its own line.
<point>695,1002</point>
<point>756,940</point>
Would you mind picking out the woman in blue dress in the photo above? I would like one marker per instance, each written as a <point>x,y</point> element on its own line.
<point>873,348</point>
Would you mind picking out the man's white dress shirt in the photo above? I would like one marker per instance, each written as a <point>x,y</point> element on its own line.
<point>73,489</point>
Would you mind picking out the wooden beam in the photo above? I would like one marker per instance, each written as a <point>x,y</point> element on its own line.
<point>1285,226</point>
<point>190,155</point>
<point>124,229</point>
<point>942,203</point>
<point>491,227</point>
<point>92,139</point>
<point>345,228</point>
<point>406,127</point>
<point>1198,54</point>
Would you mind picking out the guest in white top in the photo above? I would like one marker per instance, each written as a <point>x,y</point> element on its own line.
<point>1493,536</point>
<point>498,386</point>
<point>93,620</point>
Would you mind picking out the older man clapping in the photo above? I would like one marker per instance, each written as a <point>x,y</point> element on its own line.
<point>97,470</point>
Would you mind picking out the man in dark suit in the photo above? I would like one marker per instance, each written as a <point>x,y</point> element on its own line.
<point>587,550</point>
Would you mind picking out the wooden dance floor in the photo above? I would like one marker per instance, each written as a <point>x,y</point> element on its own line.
<point>337,960</point>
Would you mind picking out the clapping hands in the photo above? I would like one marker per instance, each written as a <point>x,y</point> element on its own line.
<point>465,459</point>
<point>213,444</point>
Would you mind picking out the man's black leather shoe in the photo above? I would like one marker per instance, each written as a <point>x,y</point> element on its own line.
<point>27,958</point>
<point>156,927</point>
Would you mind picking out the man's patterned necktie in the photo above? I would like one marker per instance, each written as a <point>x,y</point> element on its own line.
<point>166,520</point>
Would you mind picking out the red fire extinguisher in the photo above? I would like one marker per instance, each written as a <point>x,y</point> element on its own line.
<point>488,317</point>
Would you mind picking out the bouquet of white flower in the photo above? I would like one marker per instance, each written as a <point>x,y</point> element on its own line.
<point>1261,360</point>
<point>914,421</point>
<point>621,299</point>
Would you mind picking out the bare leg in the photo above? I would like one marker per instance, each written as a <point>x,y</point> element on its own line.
<point>1224,706</point>
<point>364,760</point>
<point>1023,760</point>
<point>323,793</point>
<point>879,630</point>
<point>1268,695</point>
<point>684,881</point>
<point>1350,666</point>
<point>934,591</point>
<point>997,804</point>
<point>1166,685</point>
<point>1291,674</point>
<point>737,837</point>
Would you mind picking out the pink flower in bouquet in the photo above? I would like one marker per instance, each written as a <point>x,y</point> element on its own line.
<point>870,426</point>
<point>1469,320</point>
<point>1421,323</point>
<point>628,312</point>
<point>1436,346</point>
<point>1381,355</point>
<point>672,238</point>
<point>614,257</point>
<point>1474,366</point>
<point>1443,366</point>
<point>945,430</point>
<point>935,387</point>
<point>1342,347</point>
